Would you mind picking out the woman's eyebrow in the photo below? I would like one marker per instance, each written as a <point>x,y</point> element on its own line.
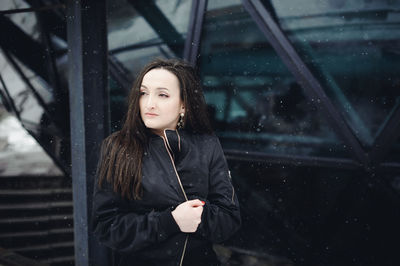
<point>159,88</point>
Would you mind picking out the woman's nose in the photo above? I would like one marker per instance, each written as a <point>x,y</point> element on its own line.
<point>150,104</point>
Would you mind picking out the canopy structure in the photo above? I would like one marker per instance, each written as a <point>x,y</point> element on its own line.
<point>304,97</point>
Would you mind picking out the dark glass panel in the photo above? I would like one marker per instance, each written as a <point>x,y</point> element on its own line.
<point>353,48</point>
<point>394,153</point>
<point>255,103</point>
<point>118,107</point>
<point>316,215</point>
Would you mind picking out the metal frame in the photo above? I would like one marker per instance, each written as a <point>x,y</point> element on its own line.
<point>23,10</point>
<point>304,76</point>
<point>192,44</point>
<point>314,91</point>
<point>131,47</point>
<point>390,167</point>
<point>296,160</point>
<point>363,132</point>
<point>89,117</point>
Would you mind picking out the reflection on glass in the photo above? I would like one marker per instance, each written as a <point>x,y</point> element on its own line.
<point>26,21</point>
<point>352,48</point>
<point>47,127</point>
<point>27,106</point>
<point>134,41</point>
<point>12,4</point>
<point>44,91</point>
<point>177,12</point>
<point>255,103</point>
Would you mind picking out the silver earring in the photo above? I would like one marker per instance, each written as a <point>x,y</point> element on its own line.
<point>180,122</point>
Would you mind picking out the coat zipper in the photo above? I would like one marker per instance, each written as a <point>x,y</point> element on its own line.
<point>233,190</point>
<point>180,183</point>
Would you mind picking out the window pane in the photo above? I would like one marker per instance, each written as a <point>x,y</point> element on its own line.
<point>177,12</point>
<point>26,104</point>
<point>26,21</point>
<point>394,153</point>
<point>48,128</point>
<point>134,41</point>
<point>255,103</point>
<point>316,215</point>
<point>221,4</point>
<point>353,48</point>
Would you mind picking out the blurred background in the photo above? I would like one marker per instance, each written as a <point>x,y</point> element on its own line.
<point>304,96</point>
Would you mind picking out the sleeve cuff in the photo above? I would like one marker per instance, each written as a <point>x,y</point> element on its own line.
<point>167,223</point>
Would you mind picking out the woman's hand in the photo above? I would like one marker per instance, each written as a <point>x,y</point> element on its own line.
<point>188,215</point>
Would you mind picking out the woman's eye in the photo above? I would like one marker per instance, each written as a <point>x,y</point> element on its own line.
<point>142,93</point>
<point>164,95</point>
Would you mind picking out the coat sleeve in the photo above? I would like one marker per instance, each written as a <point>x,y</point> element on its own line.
<point>119,227</point>
<point>221,214</point>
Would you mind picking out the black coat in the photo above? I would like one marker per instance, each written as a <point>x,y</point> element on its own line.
<point>176,168</point>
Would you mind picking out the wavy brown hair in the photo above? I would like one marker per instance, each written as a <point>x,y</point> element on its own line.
<point>122,152</point>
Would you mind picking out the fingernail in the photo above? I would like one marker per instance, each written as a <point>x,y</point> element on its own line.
<point>203,202</point>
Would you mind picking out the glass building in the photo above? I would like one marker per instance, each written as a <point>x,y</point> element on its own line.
<point>304,96</point>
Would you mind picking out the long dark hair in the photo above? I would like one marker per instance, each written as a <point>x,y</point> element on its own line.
<point>122,152</point>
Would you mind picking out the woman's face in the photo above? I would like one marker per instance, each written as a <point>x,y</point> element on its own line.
<point>160,101</point>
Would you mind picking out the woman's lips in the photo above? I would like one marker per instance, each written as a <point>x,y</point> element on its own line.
<point>151,114</point>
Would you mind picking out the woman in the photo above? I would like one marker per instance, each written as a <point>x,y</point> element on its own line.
<point>164,192</point>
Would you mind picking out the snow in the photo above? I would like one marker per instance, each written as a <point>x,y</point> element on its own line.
<point>20,154</point>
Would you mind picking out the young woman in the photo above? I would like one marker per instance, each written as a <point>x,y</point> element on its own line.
<point>164,191</point>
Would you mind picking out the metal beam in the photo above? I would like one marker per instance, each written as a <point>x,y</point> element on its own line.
<point>160,23</point>
<point>295,160</point>
<point>192,44</point>
<point>89,116</point>
<point>304,76</point>
<point>33,9</point>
